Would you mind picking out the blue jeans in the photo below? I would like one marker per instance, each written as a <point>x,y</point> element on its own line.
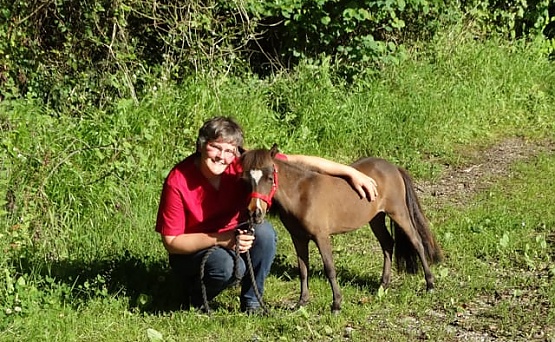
<point>219,270</point>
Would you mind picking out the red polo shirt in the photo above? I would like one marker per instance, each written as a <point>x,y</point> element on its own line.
<point>190,204</point>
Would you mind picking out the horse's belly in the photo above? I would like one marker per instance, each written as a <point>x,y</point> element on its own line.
<point>344,214</point>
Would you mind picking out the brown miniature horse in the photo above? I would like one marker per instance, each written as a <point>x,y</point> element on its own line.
<point>313,206</point>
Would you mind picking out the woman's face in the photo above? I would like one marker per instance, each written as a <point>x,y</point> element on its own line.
<point>215,157</point>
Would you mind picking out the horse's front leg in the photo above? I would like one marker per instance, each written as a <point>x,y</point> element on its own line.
<point>301,247</point>
<point>324,246</point>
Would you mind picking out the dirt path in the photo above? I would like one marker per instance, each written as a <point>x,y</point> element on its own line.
<point>458,185</point>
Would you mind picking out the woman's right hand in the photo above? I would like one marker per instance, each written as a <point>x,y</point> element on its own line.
<point>233,240</point>
<point>244,241</point>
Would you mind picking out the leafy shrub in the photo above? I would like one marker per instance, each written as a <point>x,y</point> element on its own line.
<point>77,54</point>
<point>81,53</point>
<point>352,32</point>
<point>514,19</point>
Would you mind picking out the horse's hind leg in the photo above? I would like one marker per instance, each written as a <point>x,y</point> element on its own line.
<point>402,219</point>
<point>324,246</point>
<point>386,242</point>
<point>301,247</point>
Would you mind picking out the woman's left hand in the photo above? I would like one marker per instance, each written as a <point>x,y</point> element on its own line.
<point>365,186</point>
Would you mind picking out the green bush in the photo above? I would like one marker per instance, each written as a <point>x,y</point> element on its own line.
<point>76,54</point>
<point>515,19</point>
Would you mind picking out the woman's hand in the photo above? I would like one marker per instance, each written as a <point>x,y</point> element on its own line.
<point>364,185</point>
<point>234,240</point>
<point>243,241</point>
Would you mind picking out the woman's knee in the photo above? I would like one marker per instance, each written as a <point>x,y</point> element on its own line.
<point>223,265</point>
<point>265,234</point>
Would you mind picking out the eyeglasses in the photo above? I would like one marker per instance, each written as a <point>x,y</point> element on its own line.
<point>220,151</point>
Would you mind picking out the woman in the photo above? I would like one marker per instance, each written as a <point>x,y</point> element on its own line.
<point>202,206</point>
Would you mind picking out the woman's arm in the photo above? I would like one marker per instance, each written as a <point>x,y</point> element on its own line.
<point>192,243</point>
<point>364,185</point>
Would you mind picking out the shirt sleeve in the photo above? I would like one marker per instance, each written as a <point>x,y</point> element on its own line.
<point>281,156</point>
<point>171,213</point>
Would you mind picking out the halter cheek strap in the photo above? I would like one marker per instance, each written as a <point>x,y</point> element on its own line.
<point>268,198</point>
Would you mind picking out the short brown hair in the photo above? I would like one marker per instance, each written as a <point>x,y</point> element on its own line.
<point>220,127</point>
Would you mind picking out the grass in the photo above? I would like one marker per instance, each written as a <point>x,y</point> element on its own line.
<point>80,260</point>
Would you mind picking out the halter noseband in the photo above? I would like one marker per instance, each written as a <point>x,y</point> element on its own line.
<point>268,198</point>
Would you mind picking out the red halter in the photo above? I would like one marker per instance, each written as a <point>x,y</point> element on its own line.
<point>268,198</point>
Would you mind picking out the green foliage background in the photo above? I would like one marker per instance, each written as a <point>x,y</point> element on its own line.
<point>81,53</point>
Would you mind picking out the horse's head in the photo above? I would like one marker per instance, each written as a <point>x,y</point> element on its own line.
<point>260,172</point>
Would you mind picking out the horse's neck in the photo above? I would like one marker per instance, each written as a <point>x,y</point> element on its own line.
<point>290,178</point>
<point>293,172</point>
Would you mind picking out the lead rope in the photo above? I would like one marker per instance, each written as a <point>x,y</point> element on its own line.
<point>206,306</point>
<point>250,270</point>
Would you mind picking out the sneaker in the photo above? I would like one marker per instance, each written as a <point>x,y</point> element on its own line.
<point>254,311</point>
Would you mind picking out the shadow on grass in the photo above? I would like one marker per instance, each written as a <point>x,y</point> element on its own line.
<point>147,283</point>
<point>284,269</point>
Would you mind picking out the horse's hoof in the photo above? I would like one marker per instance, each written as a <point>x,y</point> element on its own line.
<point>300,305</point>
<point>335,309</point>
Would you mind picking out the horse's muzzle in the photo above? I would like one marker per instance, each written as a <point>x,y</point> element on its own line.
<point>256,216</point>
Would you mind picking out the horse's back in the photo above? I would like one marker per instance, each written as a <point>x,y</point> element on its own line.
<point>372,165</point>
<point>387,176</point>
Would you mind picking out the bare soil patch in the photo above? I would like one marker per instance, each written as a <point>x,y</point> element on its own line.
<point>458,185</point>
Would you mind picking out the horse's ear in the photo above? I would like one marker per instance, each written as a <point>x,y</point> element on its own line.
<point>241,150</point>
<point>274,150</point>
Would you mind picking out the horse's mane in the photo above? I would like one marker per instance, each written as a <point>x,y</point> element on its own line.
<point>256,159</point>
<point>262,158</point>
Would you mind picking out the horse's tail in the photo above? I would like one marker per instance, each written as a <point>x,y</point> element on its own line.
<point>405,254</point>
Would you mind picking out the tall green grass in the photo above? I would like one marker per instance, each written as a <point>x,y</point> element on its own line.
<point>80,260</point>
